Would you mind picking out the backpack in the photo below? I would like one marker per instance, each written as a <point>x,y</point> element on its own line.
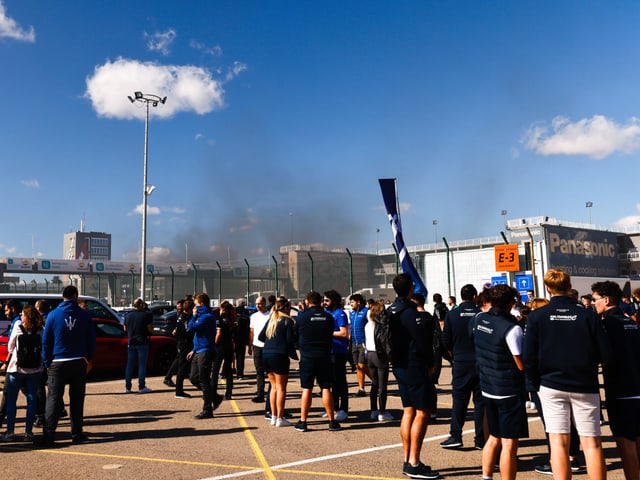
<point>29,351</point>
<point>382,334</point>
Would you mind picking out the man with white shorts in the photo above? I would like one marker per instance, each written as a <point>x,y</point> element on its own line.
<point>563,346</point>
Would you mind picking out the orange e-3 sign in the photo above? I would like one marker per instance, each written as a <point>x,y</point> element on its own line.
<point>507,259</point>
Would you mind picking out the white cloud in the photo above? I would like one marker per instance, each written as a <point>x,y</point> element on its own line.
<point>32,183</point>
<point>11,250</point>
<point>629,221</point>
<point>158,254</point>
<point>214,51</point>
<point>150,210</point>
<point>187,88</point>
<point>9,28</point>
<point>176,210</point>
<point>235,70</point>
<point>160,41</point>
<point>596,137</point>
<point>157,210</point>
<point>199,137</point>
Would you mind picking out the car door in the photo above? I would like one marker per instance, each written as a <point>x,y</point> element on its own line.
<point>111,347</point>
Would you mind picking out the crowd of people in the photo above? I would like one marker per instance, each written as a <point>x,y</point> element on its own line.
<point>505,355</point>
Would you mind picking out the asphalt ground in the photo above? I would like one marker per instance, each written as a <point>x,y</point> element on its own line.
<point>156,436</point>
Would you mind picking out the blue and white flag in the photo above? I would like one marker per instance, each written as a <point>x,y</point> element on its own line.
<point>390,198</point>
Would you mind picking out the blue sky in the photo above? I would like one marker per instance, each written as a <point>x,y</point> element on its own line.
<point>281,116</point>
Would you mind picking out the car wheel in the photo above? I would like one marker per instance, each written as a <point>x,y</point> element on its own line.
<point>164,359</point>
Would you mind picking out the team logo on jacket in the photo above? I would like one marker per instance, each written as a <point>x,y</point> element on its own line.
<point>70,322</point>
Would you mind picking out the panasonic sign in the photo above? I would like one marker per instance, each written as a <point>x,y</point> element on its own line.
<point>585,253</point>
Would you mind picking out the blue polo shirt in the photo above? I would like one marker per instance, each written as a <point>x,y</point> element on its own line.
<point>340,345</point>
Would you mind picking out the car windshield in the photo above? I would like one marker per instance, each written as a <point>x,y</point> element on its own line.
<point>98,311</point>
<point>108,329</point>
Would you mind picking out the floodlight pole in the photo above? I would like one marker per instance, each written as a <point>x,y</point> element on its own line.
<point>154,100</point>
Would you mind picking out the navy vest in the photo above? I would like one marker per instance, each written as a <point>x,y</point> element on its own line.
<point>499,374</point>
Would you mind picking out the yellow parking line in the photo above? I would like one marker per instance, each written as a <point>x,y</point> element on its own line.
<point>252,441</point>
<point>130,457</point>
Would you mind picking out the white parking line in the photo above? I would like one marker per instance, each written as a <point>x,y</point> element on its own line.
<point>337,455</point>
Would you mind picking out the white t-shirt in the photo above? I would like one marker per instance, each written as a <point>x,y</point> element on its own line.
<point>369,340</point>
<point>257,323</point>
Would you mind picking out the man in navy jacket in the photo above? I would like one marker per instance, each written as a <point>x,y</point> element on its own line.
<point>621,375</point>
<point>68,346</point>
<point>457,340</point>
<point>563,346</point>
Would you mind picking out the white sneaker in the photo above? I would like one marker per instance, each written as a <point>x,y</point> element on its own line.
<point>341,415</point>
<point>274,420</point>
<point>145,390</point>
<point>324,415</point>
<point>385,417</point>
<point>127,390</point>
<point>283,422</point>
<point>530,405</point>
<point>374,414</point>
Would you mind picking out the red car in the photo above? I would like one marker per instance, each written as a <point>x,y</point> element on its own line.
<point>111,349</point>
<point>111,339</point>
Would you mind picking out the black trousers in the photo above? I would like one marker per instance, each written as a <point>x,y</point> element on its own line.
<point>465,383</point>
<point>223,358</point>
<point>200,374</point>
<point>379,381</point>
<point>259,365</point>
<point>182,370</point>
<point>60,374</point>
<point>340,388</point>
<point>240,353</point>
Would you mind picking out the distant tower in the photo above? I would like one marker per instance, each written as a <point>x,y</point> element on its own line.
<point>83,245</point>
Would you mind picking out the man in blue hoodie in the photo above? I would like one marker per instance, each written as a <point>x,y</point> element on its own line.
<point>203,326</point>
<point>68,346</point>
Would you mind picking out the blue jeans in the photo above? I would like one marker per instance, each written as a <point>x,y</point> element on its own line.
<point>139,353</point>
<point>15,381</point>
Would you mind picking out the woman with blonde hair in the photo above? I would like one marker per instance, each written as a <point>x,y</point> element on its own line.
<point>279,344</point>
<point>379,369</point>
<point>26,375</point>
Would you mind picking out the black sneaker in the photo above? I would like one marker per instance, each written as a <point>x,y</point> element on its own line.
<point>257,399</point>
<point>361,393</point>
<point>182,395</point>
<point>301,426</point>
<point>419,471</point>
<point>44,441</point>
<point>39,422</point>
<point>169,383</point>
<point>267,415</point>
<point>334,426</point>
<point>575,466</point>
<point>204,414</point>
<point>543,469</point>
<point>478,444</point>
<point>79,438</point>
<point>227,396</point>
<point>452,442</point>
